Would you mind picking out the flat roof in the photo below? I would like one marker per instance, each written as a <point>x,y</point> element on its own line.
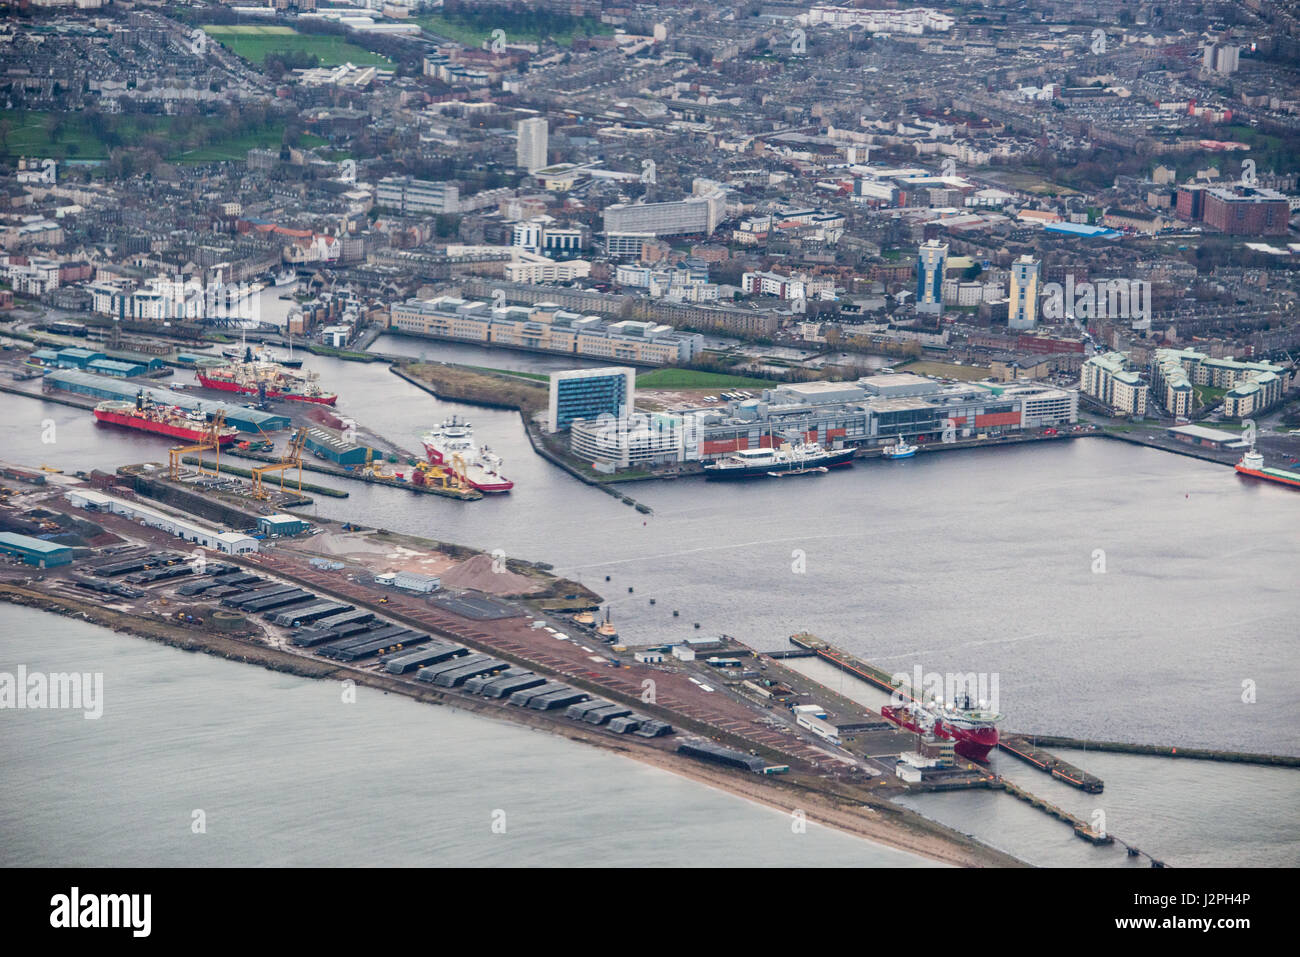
<point>1201,432</point>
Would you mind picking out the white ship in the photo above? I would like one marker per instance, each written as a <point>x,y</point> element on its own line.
<point>899,450</point>
<point>452,444</point>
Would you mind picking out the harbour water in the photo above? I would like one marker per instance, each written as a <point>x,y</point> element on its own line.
<point>1115,592</point>
<point>285,773</point>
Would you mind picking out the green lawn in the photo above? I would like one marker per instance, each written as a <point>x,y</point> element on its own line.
<point>946,370</point>
<point>253,43</point>
<point>472,30</point>
<point>1208,394</point>
<point>69,136</point>
<point>34,134</point>
<point>536,376</point>
<point>236,150</point>
<point>692,379</point>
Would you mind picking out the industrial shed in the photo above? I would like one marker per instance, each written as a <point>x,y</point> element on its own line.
<point>35,551</point>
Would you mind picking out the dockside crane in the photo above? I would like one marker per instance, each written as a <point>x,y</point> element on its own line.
<point>292,459</point>
<point>211,440</point>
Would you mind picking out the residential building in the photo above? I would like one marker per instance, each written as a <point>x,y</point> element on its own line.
<point>547,328</point>
<point>931,260</point>
<point>1247,212</point>
<point>1109,379</point>
<point>530,151</point>
<point>1022,307</point>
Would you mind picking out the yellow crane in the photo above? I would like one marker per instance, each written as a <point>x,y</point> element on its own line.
<point>211,440</point>
<point>458,471</point>
<point>372,468</point>
<point>292,459</point>
<point>440,475</point>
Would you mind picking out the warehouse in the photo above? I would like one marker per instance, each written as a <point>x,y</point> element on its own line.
<point>414,581</point>
<point>77,358</point>
<point>333,447</point>
<point>1207,438</point>
<point>116,367</point>
<point>230,543</point>
<point>111,387</point>
<point>708,751</point>
<point>281,526</point>
<point>34,551</point>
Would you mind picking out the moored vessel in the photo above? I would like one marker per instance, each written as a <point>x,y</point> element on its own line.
<point>148,416</point>
<point>452,444</point>
<point>899,450</point>
<point>796,458</point>
<point>973,730</point>
<point>259,376</point>
<point>606,630</point>
<point>1252,464</point>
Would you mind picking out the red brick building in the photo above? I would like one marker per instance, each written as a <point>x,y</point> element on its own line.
<point>1247,212</point>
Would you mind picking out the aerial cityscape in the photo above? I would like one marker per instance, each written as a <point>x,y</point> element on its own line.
<point>564,432</point>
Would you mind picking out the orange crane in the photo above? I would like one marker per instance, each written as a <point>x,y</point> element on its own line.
<point>292,459</point>
<point>211,440</point>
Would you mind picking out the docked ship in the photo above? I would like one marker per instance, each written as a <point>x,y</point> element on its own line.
<point>899,450</point>
<point>797,458</point>
<point>452,444</point>
<point>259,376</point>
<point>148,416</point>
<point>1252,464</point>
<point>973,731</point>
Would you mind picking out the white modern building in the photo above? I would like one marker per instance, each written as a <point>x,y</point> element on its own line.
<point>931,261</point>
<point>530,151</point>
<point>539,269</point>
<point>408,195</point>
<point>694,214</point>
<point>229,543</point>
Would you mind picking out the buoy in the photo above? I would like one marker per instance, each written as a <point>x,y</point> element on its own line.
<point>606,578</point>
<point>629,589</point>
<point>675,614</point>
<point>697,624</point>
<point>652,601</point>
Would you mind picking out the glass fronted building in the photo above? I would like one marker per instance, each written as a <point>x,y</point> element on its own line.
<point>588,394</point>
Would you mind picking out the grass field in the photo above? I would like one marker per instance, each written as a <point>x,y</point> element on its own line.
<point>535,376</point>
<point>946,370</point>
<point>473,31</point>
<point>253,43</point>
<point>33,134</point>
<point>1033,183</point>
<point>1208,394</point>
<point>66,136</point>
<point>691,379</point>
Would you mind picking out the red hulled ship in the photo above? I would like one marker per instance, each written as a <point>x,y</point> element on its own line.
<point>264,378</point>
<point>1252,464</point>
<point>452,445</point>
<point>148,416</point>
<point>973,731</point>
